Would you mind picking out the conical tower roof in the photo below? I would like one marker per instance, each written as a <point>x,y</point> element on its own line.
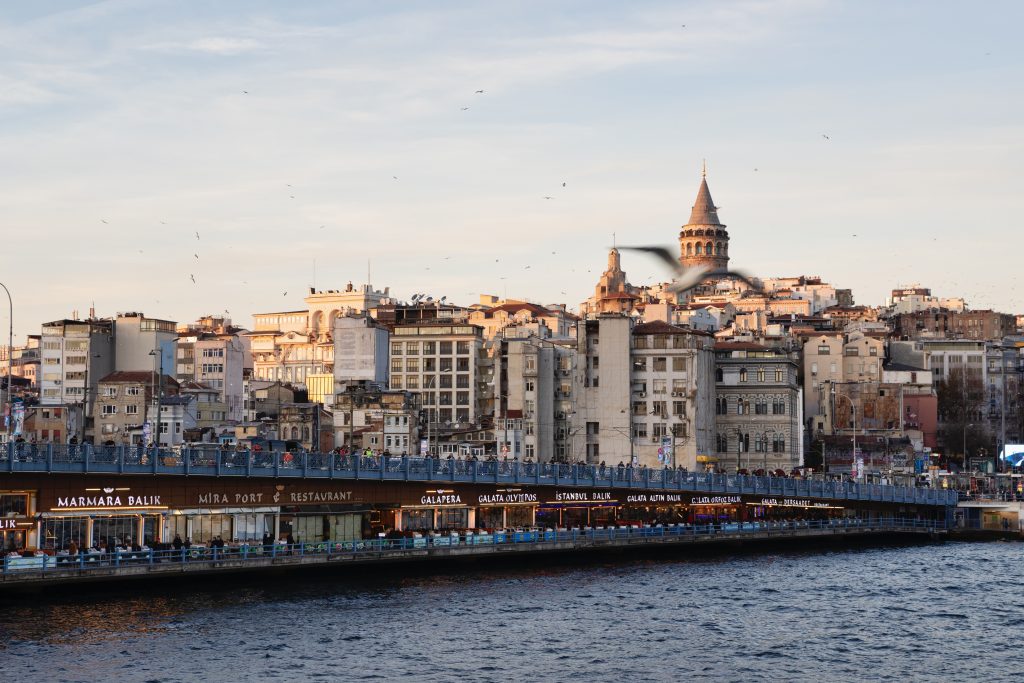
<point>704,212</point>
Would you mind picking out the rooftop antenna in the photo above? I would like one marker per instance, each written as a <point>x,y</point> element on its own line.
<point>368,278</point>
<point>314,275</point>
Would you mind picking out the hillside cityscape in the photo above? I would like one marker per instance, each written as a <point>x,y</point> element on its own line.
<point>774,374</point>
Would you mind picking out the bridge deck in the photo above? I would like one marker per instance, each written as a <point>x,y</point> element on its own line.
<point>319,466</point>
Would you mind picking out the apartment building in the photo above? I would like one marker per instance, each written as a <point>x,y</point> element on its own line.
<point>758,408</point>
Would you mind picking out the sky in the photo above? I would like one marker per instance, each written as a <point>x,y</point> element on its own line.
<point>309,143</point>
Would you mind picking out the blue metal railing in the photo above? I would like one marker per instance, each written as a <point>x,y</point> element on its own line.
<point>382,548</point>
<point>57,458</point>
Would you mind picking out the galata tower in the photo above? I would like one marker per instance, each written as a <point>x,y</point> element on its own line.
<point>704,241</point>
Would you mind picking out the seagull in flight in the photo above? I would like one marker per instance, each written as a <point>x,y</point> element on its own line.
<point>825,136</point>
<point>548,197</point>
<point>479,92</point>
<point>103,221</point>
<point>197,235</point>
<point>688,278</point>
<point>193,278</point>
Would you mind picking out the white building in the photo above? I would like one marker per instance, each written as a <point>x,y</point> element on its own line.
<point>74,356</point>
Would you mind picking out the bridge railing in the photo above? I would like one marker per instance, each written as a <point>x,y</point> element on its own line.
<point>23,457</point>
<point>231,555</point>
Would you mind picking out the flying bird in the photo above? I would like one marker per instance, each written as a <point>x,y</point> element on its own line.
<point>103,221</point>
<point>395,177</point>
<point>193,278</point>
<point>688,278</point>
<point>197,235</point>
<point>197,256</point>
<point>465,109</point>
<point>548,197</point>
<point>479,92</point>
<point>825,136</point>
<point>285,294</point>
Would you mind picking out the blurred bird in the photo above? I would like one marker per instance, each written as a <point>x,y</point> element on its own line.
<point>688,278</point>
<point>193,278</point>
<point>197,235</point>
<point>479,92</point>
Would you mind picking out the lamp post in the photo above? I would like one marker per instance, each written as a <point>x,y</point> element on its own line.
<point>159,391</point>
<point>764,448</point>
<point>10,355</point>
<point>739,447</point>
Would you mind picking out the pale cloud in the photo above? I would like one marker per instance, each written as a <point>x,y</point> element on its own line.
<point>214,45</point>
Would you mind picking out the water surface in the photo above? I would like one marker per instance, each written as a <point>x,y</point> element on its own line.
<point>951,612</point>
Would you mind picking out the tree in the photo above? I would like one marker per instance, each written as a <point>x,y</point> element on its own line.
<point>961,399</point>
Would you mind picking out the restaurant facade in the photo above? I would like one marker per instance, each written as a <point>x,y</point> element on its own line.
<point>50,511</point>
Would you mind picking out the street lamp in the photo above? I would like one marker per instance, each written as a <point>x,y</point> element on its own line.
<point>764,447</point>
<point>10,355</point>
<point>739,446</point>
<point>159,392</point>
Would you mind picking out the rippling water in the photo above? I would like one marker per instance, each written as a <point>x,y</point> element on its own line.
<point>950,612</point>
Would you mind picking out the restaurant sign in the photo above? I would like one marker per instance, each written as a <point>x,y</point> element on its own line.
<point>11,523</point>
<point>583,497</point>
<point>107,498</point>
<point>655,498</point>
<point>715,500</point>
<point>792,502</point>
<point>441,497</point>
<point>506,497</point>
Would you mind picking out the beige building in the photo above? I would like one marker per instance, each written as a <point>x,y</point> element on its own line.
<point>838,359</point>
<point>126,400</point>
<point>446,366</point>
<point>74,355</point>
<point>672,395</point>
<point>613,293</point>
<point>288,346</point>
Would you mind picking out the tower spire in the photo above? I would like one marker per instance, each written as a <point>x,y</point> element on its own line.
<point>704,168</point>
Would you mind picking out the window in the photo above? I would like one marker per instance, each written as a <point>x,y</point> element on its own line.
<point>462,348</point>
<point>462,364</point>
<point>659,408</point>
<point>743,374</point>
<point>721,443</point>
<point>639,364</point>
<point>760,374</point>
<point>412,348</point>
<point>640,430</point>
<point>779,406</point>
<point>109,410</point>
<point>659,430</point>
<point>873,351</point>
<point>824,349</point>
<point>640,342</point>
<point>761,407</point>
<point>659,386</point>
<point>446,365</point>
<point>396,349</point>
<point>429,348</point>
<point>660,364</point>
<point>528,385</point>
<point>678,364</point>
<point>445,347</point>
<point>109,392</point>
<point>529,450</point>
<point>719,375</point>
<point>721,406</point>
<point>778,373</point>
<point>396,381</point>
<point>411,365</point>
<point>446,381</point>
<point>462,398</point>
<point>679,407</point>
<point>396,365</point>
<point>131,410</point>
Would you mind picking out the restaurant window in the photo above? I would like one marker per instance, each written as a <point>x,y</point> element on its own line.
<point>207,527</point>
<point>115,530</point>
<point>58,532</point>
<point>417,520</point>
<point>13,504</point>
<point>453,518</point>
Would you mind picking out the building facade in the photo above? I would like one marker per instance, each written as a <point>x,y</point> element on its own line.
<point>758,420</point>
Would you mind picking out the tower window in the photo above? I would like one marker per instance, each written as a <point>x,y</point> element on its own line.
<point>697,249</point>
